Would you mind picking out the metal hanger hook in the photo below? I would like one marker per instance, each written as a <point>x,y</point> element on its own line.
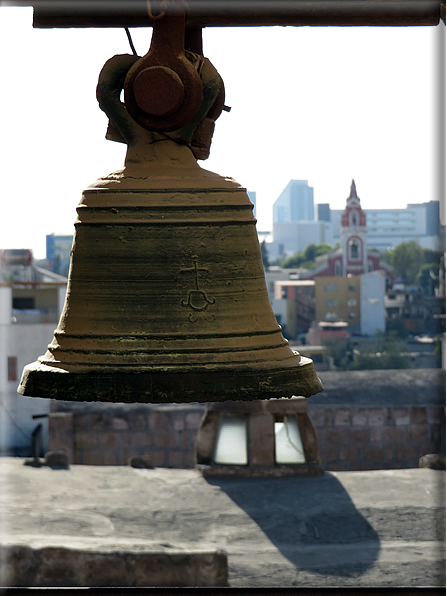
<point>164,5</point>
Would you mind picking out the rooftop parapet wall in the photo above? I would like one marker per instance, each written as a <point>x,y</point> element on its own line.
<point>351,437</point>
<point>364,420</point>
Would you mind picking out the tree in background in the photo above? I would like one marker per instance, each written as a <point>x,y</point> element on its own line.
<point>406,259</point>
<point>412,263</point>
<point>336,348</point>
<point>306,258</point>
<point>386,353</point>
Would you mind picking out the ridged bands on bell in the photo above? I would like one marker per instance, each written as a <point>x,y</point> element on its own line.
<point>208,214</point>
<point>165,352</point>
<point>166,299</point>
<point>139,208</point>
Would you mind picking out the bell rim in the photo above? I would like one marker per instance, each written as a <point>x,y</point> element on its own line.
<point>40,380</point>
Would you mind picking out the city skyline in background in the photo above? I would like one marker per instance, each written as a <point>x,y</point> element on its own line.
<point>322,104</point>
<point>299,222</point>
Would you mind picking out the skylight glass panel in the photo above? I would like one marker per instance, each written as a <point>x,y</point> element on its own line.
<point>231,443</point>
<point>288,444</point>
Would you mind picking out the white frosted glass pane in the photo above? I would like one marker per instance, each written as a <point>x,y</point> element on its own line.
<point>288,445</point>
<point>231,444</point>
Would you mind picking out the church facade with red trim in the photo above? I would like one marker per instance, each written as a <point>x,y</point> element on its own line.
<point>352,257</point>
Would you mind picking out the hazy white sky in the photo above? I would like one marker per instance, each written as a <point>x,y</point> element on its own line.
<point>319,104</point>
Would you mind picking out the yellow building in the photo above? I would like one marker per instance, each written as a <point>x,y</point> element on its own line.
<point>337,299</point>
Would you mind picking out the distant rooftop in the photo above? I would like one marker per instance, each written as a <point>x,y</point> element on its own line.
<point>17,267</point>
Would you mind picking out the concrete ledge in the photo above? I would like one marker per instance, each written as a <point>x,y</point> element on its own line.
<point>57,566</point>
<point>292,470</point>
<point>375,529</point>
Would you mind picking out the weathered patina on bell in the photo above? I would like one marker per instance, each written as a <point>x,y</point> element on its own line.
<point>166,298</point>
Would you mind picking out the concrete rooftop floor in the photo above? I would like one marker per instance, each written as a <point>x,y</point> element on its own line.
<point>380,528</point>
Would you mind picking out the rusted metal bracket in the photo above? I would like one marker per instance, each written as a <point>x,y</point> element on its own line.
<point>163,90</point>
<point>240,13</point>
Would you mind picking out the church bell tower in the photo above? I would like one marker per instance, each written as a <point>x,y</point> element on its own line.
<point>353,236</point>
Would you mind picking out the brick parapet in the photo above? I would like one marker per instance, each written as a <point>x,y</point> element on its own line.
<point>350,437</point>
<point>377,437</point>
<point>108,437</point>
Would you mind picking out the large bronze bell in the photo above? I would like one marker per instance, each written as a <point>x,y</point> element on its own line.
<point>166,298</point>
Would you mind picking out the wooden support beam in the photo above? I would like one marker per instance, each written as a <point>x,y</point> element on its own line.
<point>239,13</point>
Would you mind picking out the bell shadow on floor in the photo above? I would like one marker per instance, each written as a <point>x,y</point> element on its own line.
<point>313,522</point>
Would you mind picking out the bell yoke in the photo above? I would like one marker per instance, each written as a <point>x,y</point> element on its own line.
<point>166,298</point>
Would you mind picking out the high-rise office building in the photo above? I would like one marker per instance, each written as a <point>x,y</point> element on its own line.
<point>324,212</point>
<point>433,217</point>
<point>295,203</point>
<point>58,253</point>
